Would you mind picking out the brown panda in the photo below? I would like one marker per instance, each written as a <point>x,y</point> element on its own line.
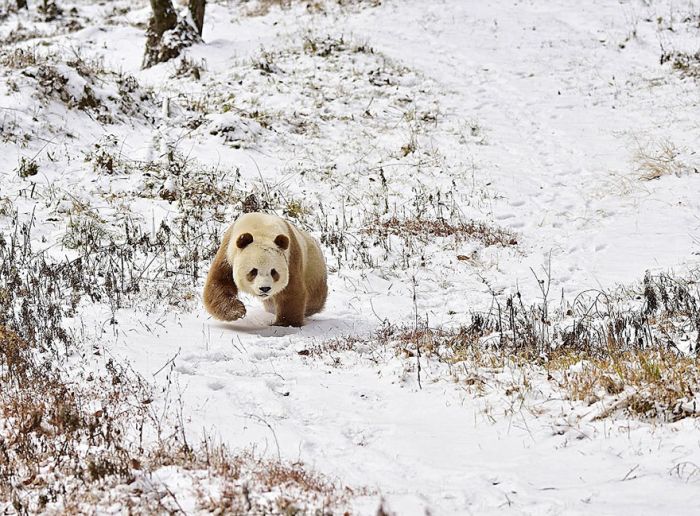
<point>267,257</point>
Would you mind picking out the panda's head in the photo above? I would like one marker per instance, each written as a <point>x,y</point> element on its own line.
<point>260,267</point>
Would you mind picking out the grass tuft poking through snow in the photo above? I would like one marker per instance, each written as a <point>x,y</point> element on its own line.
<point>87,439</point>
<point>426,229</point>
<point>618,347</point>
<point>662,159</point>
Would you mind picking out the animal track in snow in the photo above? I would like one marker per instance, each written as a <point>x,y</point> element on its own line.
<point>215,385</point>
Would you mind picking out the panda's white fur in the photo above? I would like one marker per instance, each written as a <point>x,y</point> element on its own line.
<point>271,259</point>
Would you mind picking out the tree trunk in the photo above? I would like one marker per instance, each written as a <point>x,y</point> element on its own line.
<point>180,34</point>
<point>197,8</point>
<point>163,19</point>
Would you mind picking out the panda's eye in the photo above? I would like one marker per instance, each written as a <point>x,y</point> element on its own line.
<point>253,273</point>
<point>275,275</point>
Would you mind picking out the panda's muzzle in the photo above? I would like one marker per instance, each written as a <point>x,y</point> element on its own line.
<point>265,290</point>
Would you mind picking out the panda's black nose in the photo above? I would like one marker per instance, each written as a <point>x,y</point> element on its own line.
<point>265,289</point>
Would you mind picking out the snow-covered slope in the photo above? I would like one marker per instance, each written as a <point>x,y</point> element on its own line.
<point>532,128</point>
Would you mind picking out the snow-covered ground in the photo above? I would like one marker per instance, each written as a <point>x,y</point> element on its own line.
<point>538,119</point>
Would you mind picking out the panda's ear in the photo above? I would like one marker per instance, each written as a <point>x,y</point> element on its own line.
<point>244,240</point>
<point>282,242</point>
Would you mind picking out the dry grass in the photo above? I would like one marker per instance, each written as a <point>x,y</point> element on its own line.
<point>325,46</point>
<point>598,349</point>
<point>50,428</point>
<point>70,444</point>
<point>263,7</point>
<point>426,229</point>
<point>38,69</point>
<point>20,58</point>
<point>248,484</point>
<point>652,384</point>
<point>72,441</point>
<point>333,348</point>
<point>658,160</point>
<point>684,63</point>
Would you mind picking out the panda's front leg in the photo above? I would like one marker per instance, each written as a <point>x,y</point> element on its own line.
<point>221,300</point>
<point>290,308</point>
<point>220,291</point>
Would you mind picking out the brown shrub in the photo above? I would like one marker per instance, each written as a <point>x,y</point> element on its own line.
<point>431,228</point>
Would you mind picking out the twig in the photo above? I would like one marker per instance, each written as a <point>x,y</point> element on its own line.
<point>627,476</point>
<point>168,362</point>
<point>415,332</point>
<point>261,420</point>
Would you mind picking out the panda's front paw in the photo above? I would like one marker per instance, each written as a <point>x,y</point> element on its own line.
<point>233,310</point>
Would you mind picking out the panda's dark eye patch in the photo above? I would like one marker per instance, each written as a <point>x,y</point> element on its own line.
<point>275,275</point>
<point>252,274</point>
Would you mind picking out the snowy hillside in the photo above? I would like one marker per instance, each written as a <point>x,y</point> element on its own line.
<point>506,194</point>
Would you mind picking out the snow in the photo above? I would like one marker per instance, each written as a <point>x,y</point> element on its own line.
<point>525,115</point>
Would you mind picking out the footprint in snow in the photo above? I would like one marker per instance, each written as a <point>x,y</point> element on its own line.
<point>359,436</point>
<point>185,369</point>
<point>215,385</point>
<point>277,386</point>
<point>207,356</point>
<point>267,353</point>
<point>326,324</point>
